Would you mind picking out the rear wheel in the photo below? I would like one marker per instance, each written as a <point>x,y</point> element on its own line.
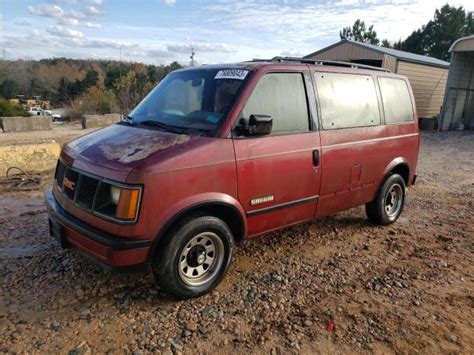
<point>194,258</point>
<point>388,204</point>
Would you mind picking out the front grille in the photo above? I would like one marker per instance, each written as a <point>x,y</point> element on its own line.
<point>86,187</point>
<point>91,193</point>
<point>60,169</point>
<point>77,186</point>
<point>70,183</point>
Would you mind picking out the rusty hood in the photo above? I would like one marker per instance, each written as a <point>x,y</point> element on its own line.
<point>120,147</point>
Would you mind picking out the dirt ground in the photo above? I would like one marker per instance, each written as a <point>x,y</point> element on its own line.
<point>336,285</point>
<point>62,133</point>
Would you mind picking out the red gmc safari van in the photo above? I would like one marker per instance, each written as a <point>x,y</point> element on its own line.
<point>215,154</point>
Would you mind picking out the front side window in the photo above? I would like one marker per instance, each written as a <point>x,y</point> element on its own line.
<point>347,100</point>
<point>283,97</point>
<point>197,99</point>
<point>396,100</point>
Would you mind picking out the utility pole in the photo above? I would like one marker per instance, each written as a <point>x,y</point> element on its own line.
<point>192,63</point>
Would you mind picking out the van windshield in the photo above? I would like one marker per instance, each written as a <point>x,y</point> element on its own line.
<point>192,100</point>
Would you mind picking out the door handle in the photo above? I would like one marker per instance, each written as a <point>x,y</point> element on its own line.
<point>316,157</point>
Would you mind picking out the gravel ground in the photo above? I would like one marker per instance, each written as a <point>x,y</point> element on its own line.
<point>335,285</point>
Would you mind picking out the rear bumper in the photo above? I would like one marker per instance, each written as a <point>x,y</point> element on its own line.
<point>106,248</point>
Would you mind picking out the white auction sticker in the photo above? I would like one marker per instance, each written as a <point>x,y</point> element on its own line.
<point>237,74</point>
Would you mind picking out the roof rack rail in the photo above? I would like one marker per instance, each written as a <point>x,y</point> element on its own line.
<point>328,62</point>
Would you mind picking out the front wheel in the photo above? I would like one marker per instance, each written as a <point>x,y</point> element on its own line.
<point>388,204</point>
<point>193,258</point>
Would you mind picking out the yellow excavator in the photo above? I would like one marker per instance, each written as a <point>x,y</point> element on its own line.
<point>36,101</point>
<point>15,102</point>
<point>39,102</point>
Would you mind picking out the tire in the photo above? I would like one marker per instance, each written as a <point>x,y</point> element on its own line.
<point>179,263</point>
<point>388,204</point>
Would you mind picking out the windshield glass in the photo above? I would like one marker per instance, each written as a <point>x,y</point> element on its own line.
<point>197,99</point>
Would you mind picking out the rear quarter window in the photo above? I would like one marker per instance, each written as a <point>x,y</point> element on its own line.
<point>396,100</point>
<point>347,100</point>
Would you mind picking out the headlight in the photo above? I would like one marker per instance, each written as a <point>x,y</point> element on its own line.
<point>114,194</point>
<point>117,202</point>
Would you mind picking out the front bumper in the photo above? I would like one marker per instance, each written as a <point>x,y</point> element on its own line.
<point>104,247</point>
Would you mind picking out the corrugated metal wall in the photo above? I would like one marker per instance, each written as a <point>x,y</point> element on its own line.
<point>428,84</point>
<point>348,51</point>
<point>459,101</point>
<point>465,45</point>
<point>389,63</point>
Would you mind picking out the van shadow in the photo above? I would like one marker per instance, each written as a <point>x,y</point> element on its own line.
<point>343,224</point>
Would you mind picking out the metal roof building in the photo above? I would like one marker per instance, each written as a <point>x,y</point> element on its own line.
<point>458,107</point>
<point>427,75</point>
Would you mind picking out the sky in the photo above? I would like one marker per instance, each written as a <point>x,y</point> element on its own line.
<point>220,31</point>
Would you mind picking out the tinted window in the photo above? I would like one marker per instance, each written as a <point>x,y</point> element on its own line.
<point>347,100</point>
<point>283,97</point>
<point>396,100</point>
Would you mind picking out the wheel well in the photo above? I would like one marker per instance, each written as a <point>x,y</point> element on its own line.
<point>227,213</point>
<point>403,171</point>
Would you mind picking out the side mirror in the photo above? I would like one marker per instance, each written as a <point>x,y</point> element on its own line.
<point>259,125</point>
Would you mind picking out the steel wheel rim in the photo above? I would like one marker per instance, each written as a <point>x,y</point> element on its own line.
<point>200,259</point>
<point>393,200</point>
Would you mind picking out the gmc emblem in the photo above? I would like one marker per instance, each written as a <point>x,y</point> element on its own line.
<point>69,184</point>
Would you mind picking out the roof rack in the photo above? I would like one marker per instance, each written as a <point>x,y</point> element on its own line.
<point>328,62</point>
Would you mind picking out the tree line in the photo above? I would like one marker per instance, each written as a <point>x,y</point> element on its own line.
<point>104,86</point>
<point>433,39</point>
<point>84,86</point>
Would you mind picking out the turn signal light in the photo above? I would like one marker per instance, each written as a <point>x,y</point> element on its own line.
<point>127,204</point>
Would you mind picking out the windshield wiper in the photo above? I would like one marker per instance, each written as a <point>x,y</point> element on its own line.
<point>160,124</point>
<point>128,119</point>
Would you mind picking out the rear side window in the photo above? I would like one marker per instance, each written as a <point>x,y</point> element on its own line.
<point>396,100</point>
<point>347,100</point>
<point>283,97</point>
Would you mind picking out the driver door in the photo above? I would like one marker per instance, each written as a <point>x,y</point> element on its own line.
<point>278,174</point>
